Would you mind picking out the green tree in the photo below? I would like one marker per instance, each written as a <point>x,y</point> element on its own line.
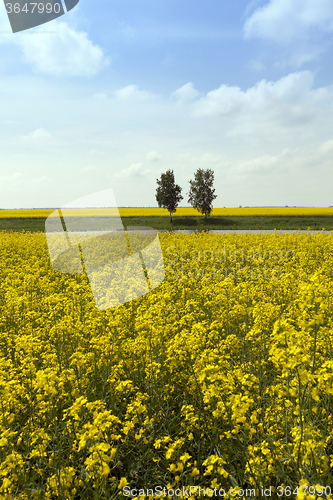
<point>201,194</point>
<point>168,193</point>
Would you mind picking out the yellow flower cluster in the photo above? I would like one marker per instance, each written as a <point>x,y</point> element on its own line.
<point>223,212</point>
<point>25,213</point>
<point>181,212</point>
<point>215,379</point>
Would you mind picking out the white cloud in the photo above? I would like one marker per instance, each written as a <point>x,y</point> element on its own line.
<point>153,156</point>
<point>37,135</point>
<point>135,170</point>
<point>326,147</point>
<point>259,163</point>
<point>290,101</point>
<point>186,93</point>
<point>256,64</point>
<point>169,59</point>
<point>89,168</point>
<point>210,158</point>
<point>40,180</point>
<point>9,178</point>
<point>66,53</point>
<point>127,30</point>
<point>184,156</point>
<point>301,55</point>
<point>223,100</point>
<point>288,20</point>
<point>131,92</point>
<point>96,152</point>
<point>100,96</point>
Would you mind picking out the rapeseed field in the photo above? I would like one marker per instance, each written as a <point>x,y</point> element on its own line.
<point>220,378</point>
<point>180,212</point>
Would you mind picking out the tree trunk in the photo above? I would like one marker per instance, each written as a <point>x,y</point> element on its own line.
<point>205,215</point>
<point>170,216</point>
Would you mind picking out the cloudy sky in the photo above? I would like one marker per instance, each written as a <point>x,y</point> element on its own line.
<point>114,93</point>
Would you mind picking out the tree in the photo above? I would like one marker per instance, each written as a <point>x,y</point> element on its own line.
<point>168,193</point>
<point>201,194</point>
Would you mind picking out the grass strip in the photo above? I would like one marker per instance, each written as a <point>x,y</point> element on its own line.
<point>162,223</point>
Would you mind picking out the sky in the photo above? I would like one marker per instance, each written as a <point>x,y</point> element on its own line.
<point>114,93</point>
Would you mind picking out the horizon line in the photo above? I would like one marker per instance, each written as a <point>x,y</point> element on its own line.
<point>160,208</point>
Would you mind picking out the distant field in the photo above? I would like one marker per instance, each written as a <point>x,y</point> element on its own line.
<point>182,212</point>
<point>294,218</point>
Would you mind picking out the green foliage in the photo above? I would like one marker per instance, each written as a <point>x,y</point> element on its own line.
<point>168,193</point>
<point>201,194</point>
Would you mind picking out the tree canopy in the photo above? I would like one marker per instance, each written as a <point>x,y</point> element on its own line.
<point>168,193</point>
<point>201,194</point>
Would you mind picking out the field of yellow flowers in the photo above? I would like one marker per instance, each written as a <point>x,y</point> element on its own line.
<point>180,212</point>
<point>220,378</point>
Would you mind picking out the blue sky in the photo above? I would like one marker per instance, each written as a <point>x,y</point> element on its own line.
<point>114,93</point>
